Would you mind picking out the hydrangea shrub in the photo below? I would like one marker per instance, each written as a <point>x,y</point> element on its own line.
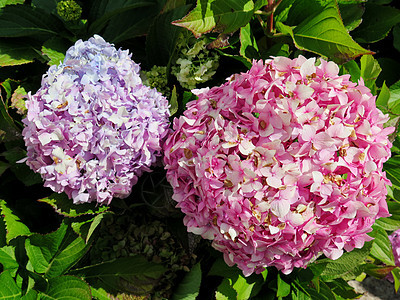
<point>281,164</point>
<point>93,127</point>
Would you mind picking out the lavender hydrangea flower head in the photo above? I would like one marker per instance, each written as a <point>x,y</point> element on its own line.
<point>394,239</point>
<point>93,128</point>
<point>281,164</point>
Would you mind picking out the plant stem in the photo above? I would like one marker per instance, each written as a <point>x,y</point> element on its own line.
<point>271,17</point>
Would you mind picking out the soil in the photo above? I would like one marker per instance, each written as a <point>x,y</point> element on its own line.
<point>375,289</point>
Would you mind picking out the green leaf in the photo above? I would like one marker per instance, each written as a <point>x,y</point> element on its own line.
<point>86,227</point>
<point>259,4</point>
<point>293,12</point>
<point>132,23</point>
<point>223,16</point>
<point>31,295</point>
<point>379,1</point>
<point>8,260</point>
<point>225,290</point>
<point>13,53</point>
<point>65,206</point>
<point>346,264</point>
<point>352,68</point>
<point>48,5</point>
<point>234,282</point>
<point>8,287</point>
<point>173,4</point>
<point>248,43</point>
<point>99,294</point>
<point>383,97</point>
<point>396,37</point>
<point>243,287</point>
<point>54,49</point>
<point>324,33</point>
<point>283,288</point>
<point>390,67</point>
<point>7,124</point>
<point>283,10</point>
<point>173,102</point>
<point>10,2</point>
<point>391,166</point>
<point>3,232</point>
<point>67,287</point>
<point>381,247</point>
<point>324,293</point>
<point>389,224</point>
<point>394,100</point>
<point>189,287</point>
<point>54,253</point>
<point>243,60</point>
<point>378,271</point>
<point>117,274</point>
<point>351,14</point>
<point>377,22</point>
<point>220,268</point>
<point>162,37</point>
<point>21,170</point>
<point>3,167</point>
<point>396,277</point>
<point>370,70</point>
<point>94,224</point>
<point>43,248</point>
<point>6,85</point>
<point>342,289</point>
<point>187,96</point>
<point>112,9</point>
<point>25,20</point>
<point>14,225</point>
<point>275,50</point>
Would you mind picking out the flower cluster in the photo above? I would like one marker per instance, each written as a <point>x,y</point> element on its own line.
<point>281,164</point>
<point>395,241</point>
<point>195,64</point>
<point>93,127</point>
<point>157,78</point>
<point>69,10</point>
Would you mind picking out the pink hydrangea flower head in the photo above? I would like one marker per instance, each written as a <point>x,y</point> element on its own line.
<point>281,164</point>
<point>93,127</point>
